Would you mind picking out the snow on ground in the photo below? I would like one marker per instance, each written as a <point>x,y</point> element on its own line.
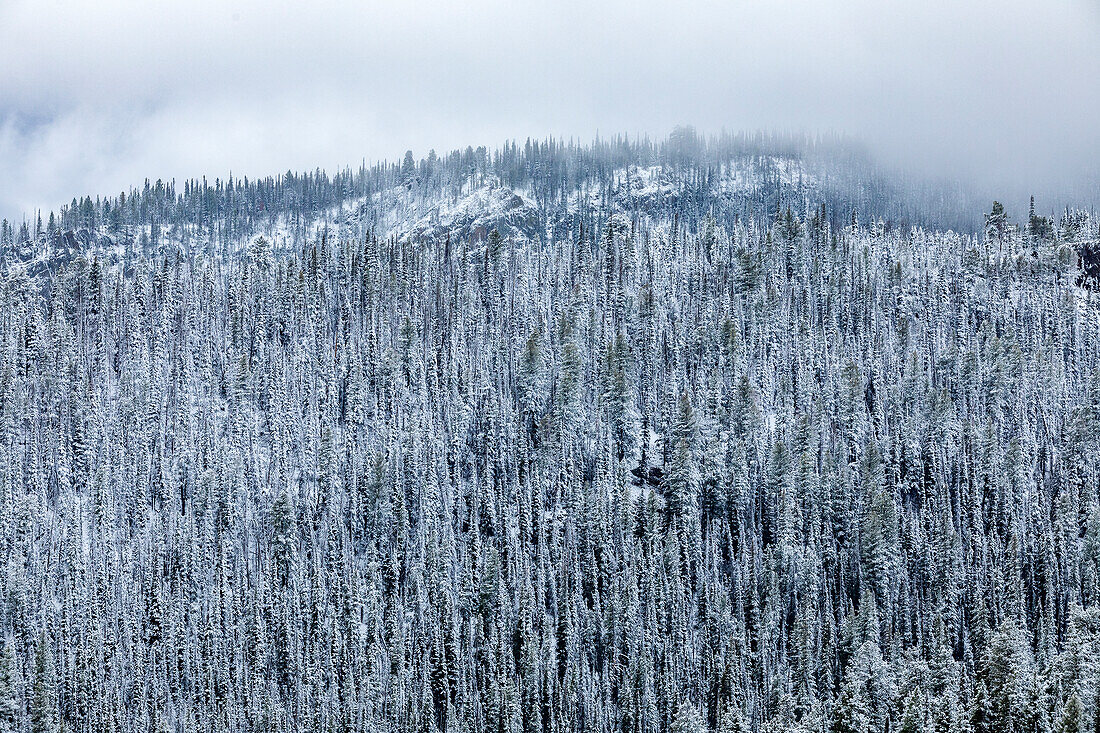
<point>467,212</point>
<point>404,212</point>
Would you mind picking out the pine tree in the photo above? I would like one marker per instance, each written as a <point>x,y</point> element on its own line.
<point>284,543</point>
<point>1071,716</point>
<point>11,709</point>
<point>683,472</point>
<point>850,714</point>
<point>688,720</point>
<point>44,712</point>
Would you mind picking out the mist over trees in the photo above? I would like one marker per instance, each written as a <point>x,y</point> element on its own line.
<point>226,212</point>
<point>655,463</point>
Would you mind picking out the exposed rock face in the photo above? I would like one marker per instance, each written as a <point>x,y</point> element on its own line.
<point>470,216</point>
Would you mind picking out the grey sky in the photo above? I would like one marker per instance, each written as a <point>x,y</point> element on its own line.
<point>95,97</point>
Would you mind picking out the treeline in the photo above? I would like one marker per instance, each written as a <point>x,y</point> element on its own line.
<point>223,212</point>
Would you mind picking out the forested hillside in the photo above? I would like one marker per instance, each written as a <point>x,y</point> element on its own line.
<point>562,186</point>
<point>641,463</point>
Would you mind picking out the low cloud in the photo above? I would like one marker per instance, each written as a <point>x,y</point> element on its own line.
<point>1004,96</point>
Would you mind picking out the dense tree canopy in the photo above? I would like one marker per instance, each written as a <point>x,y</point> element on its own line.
<point>764,475</point>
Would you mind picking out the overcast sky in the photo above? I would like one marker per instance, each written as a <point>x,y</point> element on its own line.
<point>96,97</point>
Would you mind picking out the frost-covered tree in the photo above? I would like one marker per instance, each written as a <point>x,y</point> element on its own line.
<point>549,438</point>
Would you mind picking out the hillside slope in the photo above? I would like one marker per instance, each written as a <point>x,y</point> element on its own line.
<point>443,462</point>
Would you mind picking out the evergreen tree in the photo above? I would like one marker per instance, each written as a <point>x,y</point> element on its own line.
<point>548,439</point>
<point>11,709</point>
<point>44,711</point>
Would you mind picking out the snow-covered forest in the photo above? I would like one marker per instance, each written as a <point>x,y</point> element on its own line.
<point>630,437</point>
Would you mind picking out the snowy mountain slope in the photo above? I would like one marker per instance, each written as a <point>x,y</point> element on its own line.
<point>694,455</point>
<point>649,196</point>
